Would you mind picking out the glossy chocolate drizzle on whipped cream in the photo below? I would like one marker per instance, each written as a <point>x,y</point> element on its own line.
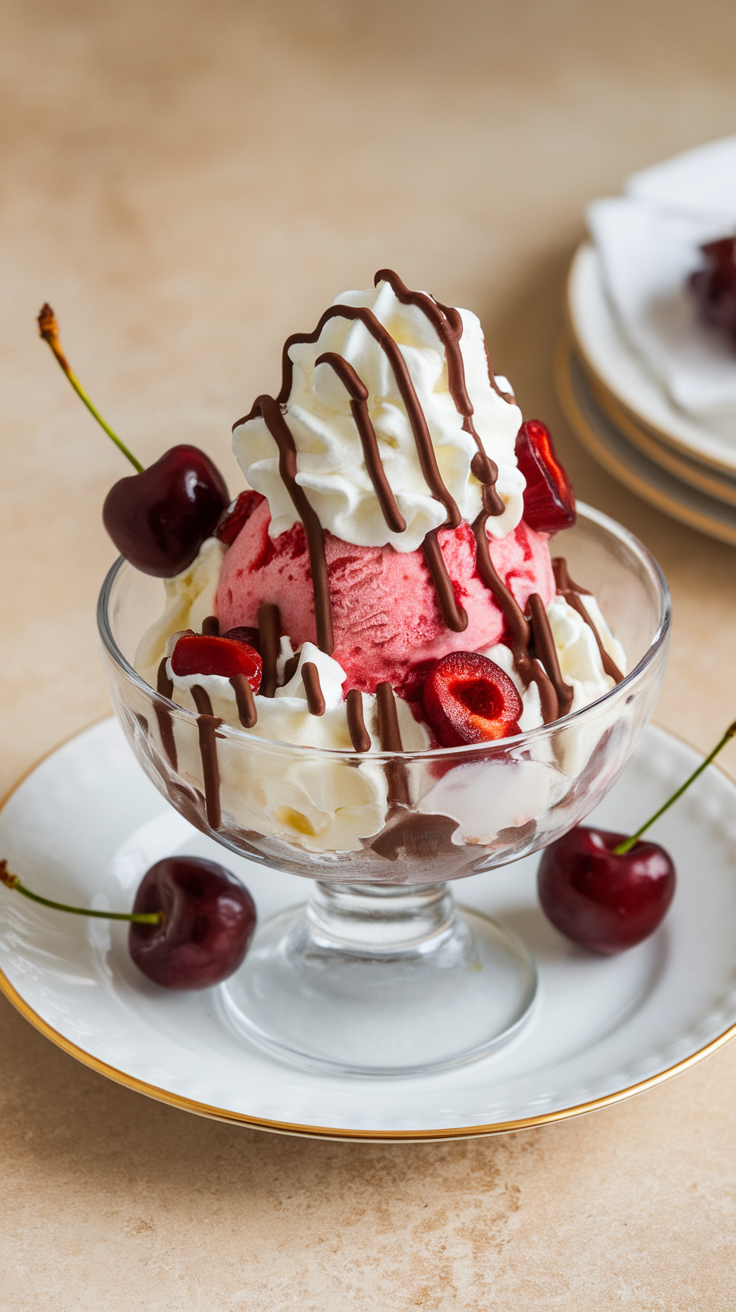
<point>447,322</point>
<point>572,593</point>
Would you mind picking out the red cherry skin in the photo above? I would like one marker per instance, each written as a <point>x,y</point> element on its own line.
<point>549,501</point>
<point>600,900</point>
<point>469,699</point>
<point>159,519</point>
<point>243,633</point>
<point>237,515</point>
<point>201,653</point>
<point>210,920</point>
<point>715,285</point>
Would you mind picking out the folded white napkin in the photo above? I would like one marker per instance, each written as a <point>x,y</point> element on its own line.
<point>648,243</point>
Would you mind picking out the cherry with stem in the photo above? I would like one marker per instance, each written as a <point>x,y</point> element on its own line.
<point>138,917</point>
<point>48,329</point>
<point>191,924</point>
<point>159,517</point>
<point>622,848</point>
<point>608,891</point>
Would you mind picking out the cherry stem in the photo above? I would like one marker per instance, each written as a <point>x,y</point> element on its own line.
<point>140,917</point>
<point>49,329</point>
<point>622,848</point>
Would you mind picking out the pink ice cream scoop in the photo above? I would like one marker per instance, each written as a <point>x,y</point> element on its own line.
<point>385,613</point>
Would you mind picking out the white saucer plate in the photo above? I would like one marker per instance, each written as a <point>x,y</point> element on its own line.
<point>86,824</point>
<point>615,365</point>
<point>629,462</point>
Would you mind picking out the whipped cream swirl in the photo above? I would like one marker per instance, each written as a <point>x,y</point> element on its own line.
<point>331,466</point>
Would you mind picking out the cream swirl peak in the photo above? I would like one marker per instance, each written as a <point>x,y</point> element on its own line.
<point>397,424</point>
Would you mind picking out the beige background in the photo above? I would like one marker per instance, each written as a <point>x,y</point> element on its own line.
<point>187,182</point>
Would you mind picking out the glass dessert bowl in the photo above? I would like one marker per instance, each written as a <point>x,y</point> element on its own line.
<point>379,972</point>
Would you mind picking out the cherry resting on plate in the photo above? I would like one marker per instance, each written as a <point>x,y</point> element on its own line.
<point>601,900</point>
<point>549,501</point>
<point>607,891</point>
<point>191,924</point>
<point>469,699</point>
<point>209,922</point>
<point>228,656</point>
<point>158,519</point>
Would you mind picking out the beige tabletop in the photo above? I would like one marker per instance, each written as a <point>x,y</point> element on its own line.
<point>187,181</point>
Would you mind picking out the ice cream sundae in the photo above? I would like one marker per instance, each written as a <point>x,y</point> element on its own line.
<point>383,585</point>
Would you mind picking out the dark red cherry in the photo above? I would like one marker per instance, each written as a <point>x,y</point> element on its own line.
<point>244,633</point>
<point>715,285</point>
<point>158,519</point>
<point>237,515</point>
<point>599,899</point>
<point>549,501</point>
<point>469,699</point>
<point>209,922</point>
<point>200,653</point>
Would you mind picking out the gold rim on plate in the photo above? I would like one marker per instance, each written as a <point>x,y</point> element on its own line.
<point>565,360</point>
<point>321,1132</point>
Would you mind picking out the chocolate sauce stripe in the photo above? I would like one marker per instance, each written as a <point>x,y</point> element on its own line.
<point>282,435</point>
<point>359,736</point>
<point>609,665</point>
<point>572,592</point>
<point>390,739</point>
<point>417,420</point>
<point>358,393</point>
<point>247,713</point>
<point>454,616</point>
<point>313,689</point>
<point>269,632</point>
<point>448,325</point>
<point>545,650</point>
<point>520,631</point>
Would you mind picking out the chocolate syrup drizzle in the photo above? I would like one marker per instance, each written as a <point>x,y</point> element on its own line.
<point>313,689</point>
<point>245,700</point>
<point>544,645</point>
<point>389,735</point>
<point>359,736</point>
<point>269,629</point>
<point>448,325</point>
<point>366,432</point>
<point>164,718</point>
<point>540,666</point>
<point>572,592</point>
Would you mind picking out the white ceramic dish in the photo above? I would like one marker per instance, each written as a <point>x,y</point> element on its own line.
<point>629,463</point>
<point>615,365</point>
<point>86,823</point>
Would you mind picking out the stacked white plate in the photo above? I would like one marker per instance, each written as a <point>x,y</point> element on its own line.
<point>649,391</point>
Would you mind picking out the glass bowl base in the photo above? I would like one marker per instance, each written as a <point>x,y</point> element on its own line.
<point>425,988</point>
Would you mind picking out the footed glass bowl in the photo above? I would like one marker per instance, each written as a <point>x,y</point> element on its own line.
<point>379,972</point>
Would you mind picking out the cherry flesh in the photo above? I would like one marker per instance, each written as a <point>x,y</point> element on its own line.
<point>209,922</point>
<point>158,519</point>
<point>549,501</point>
<point>599,899</point>
<point>469,699</point>
<point>714,286</point>
<point>200,653</point>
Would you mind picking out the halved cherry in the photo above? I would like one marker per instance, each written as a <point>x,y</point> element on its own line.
<point>200,653</point>
<point>469,699</point>
<point>549,501</point>
<point>237,515</point>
